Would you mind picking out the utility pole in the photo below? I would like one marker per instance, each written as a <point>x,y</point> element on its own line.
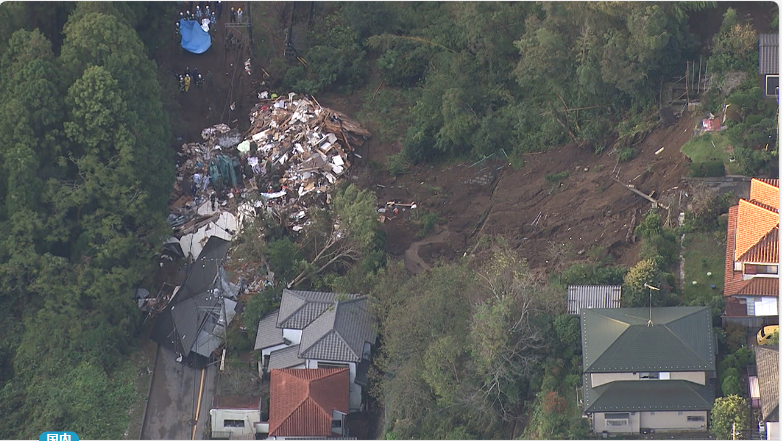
<point>646,285</point>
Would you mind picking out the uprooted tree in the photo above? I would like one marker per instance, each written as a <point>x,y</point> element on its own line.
<point>341,235</point>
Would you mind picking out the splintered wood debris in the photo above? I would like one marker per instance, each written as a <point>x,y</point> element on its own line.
<point>294,151</point>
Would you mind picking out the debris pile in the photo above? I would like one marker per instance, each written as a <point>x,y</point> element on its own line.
<point>294,151</point>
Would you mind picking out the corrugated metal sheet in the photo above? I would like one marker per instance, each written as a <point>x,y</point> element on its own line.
<point>592,296</point>
<point>768,56</point>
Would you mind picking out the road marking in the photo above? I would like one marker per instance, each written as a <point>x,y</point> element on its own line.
<point>198,406</point>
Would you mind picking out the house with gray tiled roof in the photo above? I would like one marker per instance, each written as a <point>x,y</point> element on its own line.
<point>314,330</point>
<point>767,361</point>
<point>642,373</point>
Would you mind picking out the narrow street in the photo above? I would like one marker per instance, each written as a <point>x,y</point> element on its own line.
<point>173,399</point>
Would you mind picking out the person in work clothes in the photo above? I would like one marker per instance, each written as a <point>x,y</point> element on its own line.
<point>233,15</point>
<point>239,15</point>
<point>187,82</point>
<point>219,9</point>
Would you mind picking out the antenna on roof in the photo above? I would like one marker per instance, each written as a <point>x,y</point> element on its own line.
<point>646,285</point>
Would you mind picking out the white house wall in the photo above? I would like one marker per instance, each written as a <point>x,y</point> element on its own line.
<point>292,335</point>
<point>599,379</point>
<point>249,416</point>
<point>695,377</point>
<point>313,364</point>
<point>633,424</point>
<point>268,351</point>
<point>673,420</point>
<point>660,421</point>
<point>355,398</point>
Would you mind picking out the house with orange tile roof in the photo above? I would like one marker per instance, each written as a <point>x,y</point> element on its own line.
<point>308,402</point>
<point>752,256</point>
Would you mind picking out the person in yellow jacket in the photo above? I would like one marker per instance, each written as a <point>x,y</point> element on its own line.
<point>187,82</point>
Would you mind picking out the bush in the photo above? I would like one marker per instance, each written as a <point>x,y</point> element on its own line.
<point>281,254</point>
<point>660,246</point>
<point>571,382</point>
<point>627,154</point>
<point>426,220</point>
<point>238,340</point>
<point>592,274</point>
<point>556,177</point>
<point>258,306</point>
<point>730,383</point>
<point>404,63</point>
<point>707,169</point>
<point>398,164</point>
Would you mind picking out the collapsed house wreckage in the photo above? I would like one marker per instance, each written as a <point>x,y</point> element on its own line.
<point>284,165</point>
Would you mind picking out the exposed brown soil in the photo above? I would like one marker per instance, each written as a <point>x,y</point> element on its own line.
<point>492,198</point>
<point>204,107</point>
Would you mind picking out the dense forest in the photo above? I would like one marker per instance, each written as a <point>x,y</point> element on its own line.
<point>469,349</point>
<point>86,171</point>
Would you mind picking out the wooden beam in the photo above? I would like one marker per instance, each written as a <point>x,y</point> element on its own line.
<point>642,194</point>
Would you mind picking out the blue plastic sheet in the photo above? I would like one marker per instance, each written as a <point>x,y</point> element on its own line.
<point>194,38</point>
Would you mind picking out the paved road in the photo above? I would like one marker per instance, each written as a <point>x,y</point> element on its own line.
<point>173,399</point>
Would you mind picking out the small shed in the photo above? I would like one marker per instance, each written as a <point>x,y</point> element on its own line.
<point>768,62</point>
<point>592,296</point>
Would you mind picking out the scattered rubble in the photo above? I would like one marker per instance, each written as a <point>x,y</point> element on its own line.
<point>293,153</point>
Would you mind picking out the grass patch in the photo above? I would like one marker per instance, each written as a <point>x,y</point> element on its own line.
<point>138,370</point>
<point>556,177</point>
<point>710,147</point>
<point>701,256</point>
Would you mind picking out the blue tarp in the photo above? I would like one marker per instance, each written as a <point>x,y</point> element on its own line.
<point>194,38</point>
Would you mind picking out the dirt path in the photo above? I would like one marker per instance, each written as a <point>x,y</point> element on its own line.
<point>413,261</point>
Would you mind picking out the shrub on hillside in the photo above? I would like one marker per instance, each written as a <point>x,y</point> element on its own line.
<point>707,169</point>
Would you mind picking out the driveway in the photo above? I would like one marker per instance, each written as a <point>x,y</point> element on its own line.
<point>173,399</point>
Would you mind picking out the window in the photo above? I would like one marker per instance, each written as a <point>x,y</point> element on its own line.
<point>323,365</point>
<point>760,269</point>
<point>233,423</point>
<point>617,419</point>
<point>336,424</point>
<point>649,375</point>
<point>695,418</point>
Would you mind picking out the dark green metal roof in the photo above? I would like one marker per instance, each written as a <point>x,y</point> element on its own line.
<point>620,340</point>
<point>636,396</point>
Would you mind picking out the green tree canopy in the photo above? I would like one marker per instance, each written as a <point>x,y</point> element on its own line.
<point>727,412</point>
